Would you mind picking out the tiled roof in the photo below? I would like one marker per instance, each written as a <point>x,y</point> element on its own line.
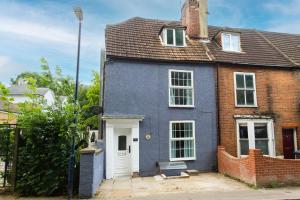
<point>138,38</point>
<point>256,49</point>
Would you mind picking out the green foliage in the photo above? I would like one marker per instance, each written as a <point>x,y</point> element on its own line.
<point>45,144</point>
<point>44,149</point>
<point>7,101</point>
<point>59,84</point>
<point>92,99</point>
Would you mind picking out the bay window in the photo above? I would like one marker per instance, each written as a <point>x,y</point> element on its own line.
<point>255,134</point>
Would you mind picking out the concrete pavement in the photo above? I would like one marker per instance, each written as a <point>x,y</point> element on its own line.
<point>205,186</point>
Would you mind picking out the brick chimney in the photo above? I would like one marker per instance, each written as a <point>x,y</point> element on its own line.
<point>194,17</point>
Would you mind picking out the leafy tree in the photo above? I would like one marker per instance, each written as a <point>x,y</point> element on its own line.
<point>45,146</point>
<point>92,98</point>
<point>59,84</point>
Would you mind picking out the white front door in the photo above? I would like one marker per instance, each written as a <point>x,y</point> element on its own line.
<point>122,151</point>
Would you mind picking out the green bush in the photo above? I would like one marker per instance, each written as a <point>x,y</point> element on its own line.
<point>44,149</point>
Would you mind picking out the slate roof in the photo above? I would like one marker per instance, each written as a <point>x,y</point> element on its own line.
<point>22,90</point>
<point>138,38</point>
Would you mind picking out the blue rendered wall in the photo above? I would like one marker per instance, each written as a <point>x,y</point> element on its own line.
<point>137,88</point>
<point>91,173</point>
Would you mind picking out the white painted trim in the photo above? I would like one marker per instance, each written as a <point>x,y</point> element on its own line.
<point>254,89</point>
<point>182,87</point>
<point>165,42</point>
<point>230,42</point>
<point>111,125</point>
<point>193,138</point>
<point>251,134</point>
<point>295,139</point>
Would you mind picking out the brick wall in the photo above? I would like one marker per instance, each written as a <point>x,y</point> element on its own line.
<point>259,170</point>
<point>190,18</point>
<point>278,95</point>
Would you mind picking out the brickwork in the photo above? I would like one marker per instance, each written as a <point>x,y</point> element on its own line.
<point>278,95</point>
<point>190,18</point>
<point>259,170</point>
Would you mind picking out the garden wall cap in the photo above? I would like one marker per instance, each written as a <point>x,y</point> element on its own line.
<point>91,150</point>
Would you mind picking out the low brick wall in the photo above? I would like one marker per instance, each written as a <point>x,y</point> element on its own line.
<point>259,170</point>
<point>91,171</point>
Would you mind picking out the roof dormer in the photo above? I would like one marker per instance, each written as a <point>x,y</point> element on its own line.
<point>173,37</point>
<point>230,41</point>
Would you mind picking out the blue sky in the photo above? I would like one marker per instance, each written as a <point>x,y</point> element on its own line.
<point>33,29</point>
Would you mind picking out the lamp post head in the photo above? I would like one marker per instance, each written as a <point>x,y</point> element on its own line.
<point>78,12</point>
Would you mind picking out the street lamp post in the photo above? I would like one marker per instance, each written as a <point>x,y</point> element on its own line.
<point>79,15</point>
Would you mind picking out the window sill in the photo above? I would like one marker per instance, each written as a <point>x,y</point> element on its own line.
<point>191,107</point>
<point>231,51</point>
<point>237,106</point>
<point>182,159</point>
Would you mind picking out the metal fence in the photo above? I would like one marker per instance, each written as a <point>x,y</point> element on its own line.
<point>9,136</point>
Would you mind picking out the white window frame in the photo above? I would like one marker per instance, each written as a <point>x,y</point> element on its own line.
<point>171,139</point>
<point>165,38</point>
<point>231,49</point>
<point>182,87</point>
<point>254,89</point>
<point>251,134</point>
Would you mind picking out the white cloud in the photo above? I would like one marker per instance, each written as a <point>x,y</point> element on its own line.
<point>283,26</point>
<point>8,69</point>
<point>37,31</point>
<point>284,7</point>
<point>286,16</point>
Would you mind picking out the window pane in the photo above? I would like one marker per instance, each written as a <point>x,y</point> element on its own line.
<point>179,37</point>
<point>240,81</point>
<point>122,143</point>
<point>240,95</point>
<point>250,97</point>
<point>263,145</point>
<point>249,81</point>
<point>182,148</point>
<point>244,147</point>
<point>181,96</point>
<point>243,131</point>
<point>181,78</point>
<point>170,36</point>
<point>235,42</point>
<point>261,131</point>
<point>226,41</point>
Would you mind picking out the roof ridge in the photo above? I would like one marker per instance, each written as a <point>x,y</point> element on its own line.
<point>276,48</point>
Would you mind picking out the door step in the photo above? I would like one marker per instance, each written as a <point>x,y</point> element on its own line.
<point>192,172</point>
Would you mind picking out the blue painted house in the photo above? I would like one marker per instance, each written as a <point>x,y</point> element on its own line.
<point>160,101</point>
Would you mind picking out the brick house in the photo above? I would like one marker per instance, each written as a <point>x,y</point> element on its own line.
<point>258,84</point>
<point>163,76</point>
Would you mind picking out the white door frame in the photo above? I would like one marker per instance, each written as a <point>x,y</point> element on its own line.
<point>111,125</point>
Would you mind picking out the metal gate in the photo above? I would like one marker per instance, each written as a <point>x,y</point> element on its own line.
<point>9,136</point>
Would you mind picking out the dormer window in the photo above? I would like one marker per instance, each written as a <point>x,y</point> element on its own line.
<point>231,42</point>
<point>174,37</point>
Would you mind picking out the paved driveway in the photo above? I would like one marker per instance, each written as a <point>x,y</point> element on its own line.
<point>205,186</point>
